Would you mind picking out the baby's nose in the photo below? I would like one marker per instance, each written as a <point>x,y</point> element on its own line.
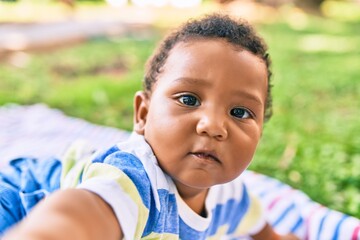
<point>212,125</point>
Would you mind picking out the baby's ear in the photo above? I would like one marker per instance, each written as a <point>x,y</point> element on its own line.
<point>141,105</point>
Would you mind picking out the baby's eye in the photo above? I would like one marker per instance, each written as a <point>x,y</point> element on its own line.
<point>189,100</point>
<point>240,113</point>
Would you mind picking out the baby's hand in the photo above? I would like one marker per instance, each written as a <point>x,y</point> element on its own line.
<point>289,237</point>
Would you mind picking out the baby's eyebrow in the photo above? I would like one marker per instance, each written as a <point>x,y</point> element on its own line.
<point>249,96</point>
<point>193,81</point>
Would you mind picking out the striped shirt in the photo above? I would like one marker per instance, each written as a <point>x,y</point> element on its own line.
<point>146,202</point>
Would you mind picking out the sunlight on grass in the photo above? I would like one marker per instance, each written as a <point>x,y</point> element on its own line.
<point>342,10</point>
<point>327,43</point>
<point>295,17</point>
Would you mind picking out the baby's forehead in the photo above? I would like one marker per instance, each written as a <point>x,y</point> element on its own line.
<point>214,61</point>
<point>207,47</point>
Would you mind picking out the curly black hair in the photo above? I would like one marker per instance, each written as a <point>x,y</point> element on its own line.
<point>215,26</point>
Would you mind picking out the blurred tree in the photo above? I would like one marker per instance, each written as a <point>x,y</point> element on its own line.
<point>312,6</point>
<point>69,3</point>
<point>309,4</point>
<point>223,1</point>
<point>274,3</point>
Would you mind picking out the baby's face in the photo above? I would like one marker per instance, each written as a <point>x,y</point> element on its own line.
<point>205,114</point>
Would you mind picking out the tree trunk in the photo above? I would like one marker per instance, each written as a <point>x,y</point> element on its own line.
<point>310,6</point>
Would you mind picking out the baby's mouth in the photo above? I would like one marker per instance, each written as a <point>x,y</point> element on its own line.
<point>206,155</point>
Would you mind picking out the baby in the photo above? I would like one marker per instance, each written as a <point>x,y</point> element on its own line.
<point>196,128</point>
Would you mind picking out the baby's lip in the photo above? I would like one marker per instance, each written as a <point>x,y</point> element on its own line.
<point>206,154</point>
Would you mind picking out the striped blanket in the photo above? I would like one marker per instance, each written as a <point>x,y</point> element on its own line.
<point>41,132</point>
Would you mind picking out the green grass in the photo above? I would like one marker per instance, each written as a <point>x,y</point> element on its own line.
<point>312,142</point>
<point>95,81</point>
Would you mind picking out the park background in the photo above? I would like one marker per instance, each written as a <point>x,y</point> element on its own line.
<point>313,140</point>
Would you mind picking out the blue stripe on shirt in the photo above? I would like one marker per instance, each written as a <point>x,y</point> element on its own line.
<point>230,213</point>
<point>337,229</point>
<point>322,224</point>
<point>283,214</point>
<point>134,169</point>
<point>163,221</point>
<point>157,222</point>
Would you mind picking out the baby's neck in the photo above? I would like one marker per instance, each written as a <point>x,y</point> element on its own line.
<point>195,201</point>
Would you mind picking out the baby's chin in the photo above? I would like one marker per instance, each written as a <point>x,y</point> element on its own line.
<point>199,184</point>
